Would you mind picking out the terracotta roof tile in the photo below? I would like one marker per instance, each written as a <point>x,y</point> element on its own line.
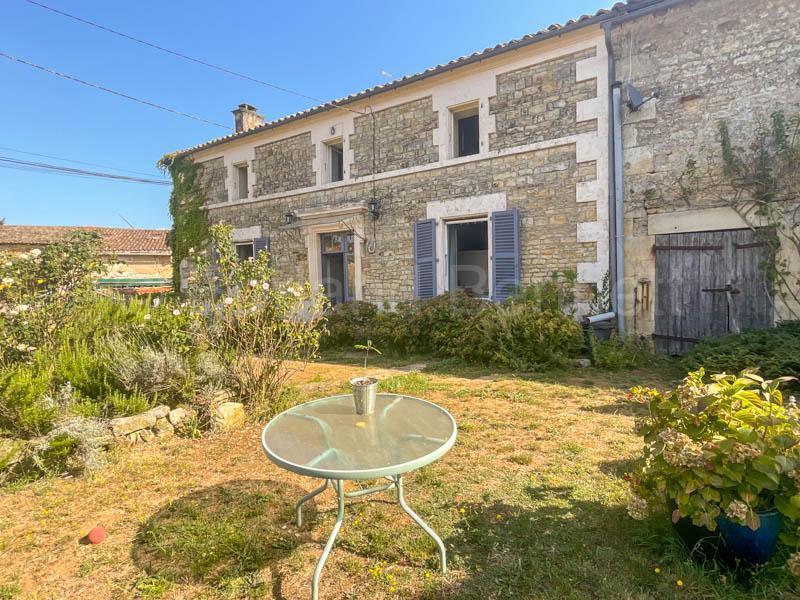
<point>115,239</point>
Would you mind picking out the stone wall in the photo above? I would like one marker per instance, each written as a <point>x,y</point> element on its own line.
<point>539,102</point>
<point>284,165</point>
<point>211,176</point>
<point>707,60</point>
<point>541,184</point>
<point>403,138</point>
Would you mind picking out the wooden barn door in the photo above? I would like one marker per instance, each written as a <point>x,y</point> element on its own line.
<point>709,283</point>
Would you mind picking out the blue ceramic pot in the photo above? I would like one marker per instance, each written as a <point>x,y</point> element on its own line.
<point>733,544</point>
<point>752,547</point>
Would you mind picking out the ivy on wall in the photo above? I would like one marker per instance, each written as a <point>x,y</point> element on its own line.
<point>189,219</point>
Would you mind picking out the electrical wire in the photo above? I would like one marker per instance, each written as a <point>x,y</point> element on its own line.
<point>77,162</point>
<point>9,162</point>
<point>110,91</point>
<point>189,58</point>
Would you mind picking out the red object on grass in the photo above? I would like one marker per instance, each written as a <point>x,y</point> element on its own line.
<point>97,535</point>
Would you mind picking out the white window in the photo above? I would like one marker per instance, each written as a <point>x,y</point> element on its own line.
<point>468,257</point>
<point>466,129</point>
<point>335,151</point>
<point>244,250</point>
<point>242,187</point>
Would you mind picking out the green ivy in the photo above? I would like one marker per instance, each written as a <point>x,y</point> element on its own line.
<point>189,219</point>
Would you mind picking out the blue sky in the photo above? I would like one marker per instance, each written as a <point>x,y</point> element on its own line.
<point>323,49</point>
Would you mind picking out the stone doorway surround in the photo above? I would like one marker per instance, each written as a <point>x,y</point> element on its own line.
<point>315,221</point>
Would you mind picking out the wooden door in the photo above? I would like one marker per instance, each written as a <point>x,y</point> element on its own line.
<point>709,283</point>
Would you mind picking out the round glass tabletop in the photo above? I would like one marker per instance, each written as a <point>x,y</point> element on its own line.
<point>326,438</point>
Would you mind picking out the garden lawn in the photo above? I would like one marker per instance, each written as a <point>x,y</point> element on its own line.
<point>530,503</point>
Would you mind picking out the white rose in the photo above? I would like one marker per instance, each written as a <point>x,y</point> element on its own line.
<point>228,301</point>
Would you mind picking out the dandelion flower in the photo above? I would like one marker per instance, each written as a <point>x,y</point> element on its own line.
<point>679,583</point>
<point>40,281</point>
<point>657,569</point>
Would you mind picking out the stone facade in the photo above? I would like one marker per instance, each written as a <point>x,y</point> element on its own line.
<point>539,102</point>
<point>707,60</point>
<point>541,184</point>
<point>543,149</point>
<point>403,138</point>
<point>284,165</point>
<point>211,178</point>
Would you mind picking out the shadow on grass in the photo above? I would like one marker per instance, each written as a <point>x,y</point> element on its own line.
<point>553,551</point>
<point>223,536</point>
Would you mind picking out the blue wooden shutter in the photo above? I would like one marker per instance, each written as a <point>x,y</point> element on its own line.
<point>260,245</point>
<point>505,253</point>
<point>425,258</point>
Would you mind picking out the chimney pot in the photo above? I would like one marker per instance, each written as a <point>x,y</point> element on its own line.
<point>245,117</point>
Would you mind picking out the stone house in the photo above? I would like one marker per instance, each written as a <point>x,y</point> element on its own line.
<point>141,258</point>
<point>498,168</point>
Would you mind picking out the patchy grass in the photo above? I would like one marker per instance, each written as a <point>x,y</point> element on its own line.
<point>530,503</point>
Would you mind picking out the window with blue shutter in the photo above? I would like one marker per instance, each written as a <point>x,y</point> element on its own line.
<point>425,258</point>
<point>505,253</point>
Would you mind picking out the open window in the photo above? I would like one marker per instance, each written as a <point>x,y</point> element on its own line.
<point>335,160</point>
<point>248,250</point>
<point>338,266</point>
<point>242,185</point>
<point>468,257</point>
<point>466,130</point>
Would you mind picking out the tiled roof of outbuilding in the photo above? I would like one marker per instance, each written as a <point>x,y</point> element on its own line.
<point>115,239</point>
<point>619,8</point>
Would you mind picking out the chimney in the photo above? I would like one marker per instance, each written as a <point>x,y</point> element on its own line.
<point>245,117</point>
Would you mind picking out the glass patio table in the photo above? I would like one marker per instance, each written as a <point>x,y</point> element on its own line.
<point>327,440</point>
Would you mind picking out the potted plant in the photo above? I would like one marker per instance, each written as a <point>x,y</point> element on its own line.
<point>365,388</point>
<point>723,453</point>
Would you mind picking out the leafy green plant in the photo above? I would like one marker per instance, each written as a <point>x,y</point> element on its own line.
<point>772,352</point>
<point>367,348</point>
<point>621,352</point>
<point>726,445</point>
<point>23,406</point>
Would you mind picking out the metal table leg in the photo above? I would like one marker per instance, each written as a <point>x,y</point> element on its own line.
<point>416,518</point>
<point>306,498</point>
<point>339,487</point>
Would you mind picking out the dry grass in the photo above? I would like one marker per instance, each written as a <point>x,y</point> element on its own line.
<point>530,502</point>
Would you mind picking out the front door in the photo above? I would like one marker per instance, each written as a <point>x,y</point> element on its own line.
<point>709,283</point>
<point>338,266</point>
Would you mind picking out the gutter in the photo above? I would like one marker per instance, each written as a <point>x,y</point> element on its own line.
<point>615,171</point>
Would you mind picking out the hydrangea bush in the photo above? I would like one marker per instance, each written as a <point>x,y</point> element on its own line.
<point>720,446</point>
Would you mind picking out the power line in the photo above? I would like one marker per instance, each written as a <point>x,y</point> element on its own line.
<point>9,162</point>
<point>189,58</point>
<point>77,162</point>
<point>109,90</point>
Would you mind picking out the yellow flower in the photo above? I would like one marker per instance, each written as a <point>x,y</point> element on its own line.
<point>679,583</point>
<point>40,281</point>
<point>657,570</point>
<point>461,510</point>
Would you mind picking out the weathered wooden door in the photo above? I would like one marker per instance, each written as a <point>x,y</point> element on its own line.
<point>709,283</point>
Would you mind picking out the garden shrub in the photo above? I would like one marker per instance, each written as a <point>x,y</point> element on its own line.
<point>24,405</point>
<point>440,326</point>
<point>349,323</point>
<point>773,352</point>
<point>518,336</point>
<point>621,352</point>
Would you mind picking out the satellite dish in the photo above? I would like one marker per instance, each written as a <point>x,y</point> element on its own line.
<point>635,98</point>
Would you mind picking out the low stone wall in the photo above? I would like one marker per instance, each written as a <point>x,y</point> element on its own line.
<point>156,422</point>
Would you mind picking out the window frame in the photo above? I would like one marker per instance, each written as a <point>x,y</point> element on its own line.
<point>333,147</point>
<point>240,168</point>
<point>457,113</point>
<point>482,218</point>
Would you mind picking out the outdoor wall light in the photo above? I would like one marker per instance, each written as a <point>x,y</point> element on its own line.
<point>289,218</point>
<point>373,206</point>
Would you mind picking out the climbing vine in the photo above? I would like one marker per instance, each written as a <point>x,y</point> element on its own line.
<point>189,220</point>
<point>760,180</point>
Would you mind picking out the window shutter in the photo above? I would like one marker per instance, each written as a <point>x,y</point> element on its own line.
<point>505,253</point>
<point>260,245</point>
<point>425,258</point>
